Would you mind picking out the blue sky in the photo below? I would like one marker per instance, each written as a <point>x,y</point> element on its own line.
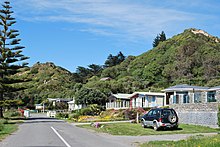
<point>74,33</point>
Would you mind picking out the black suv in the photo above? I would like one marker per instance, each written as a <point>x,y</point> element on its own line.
<point>160,118</point>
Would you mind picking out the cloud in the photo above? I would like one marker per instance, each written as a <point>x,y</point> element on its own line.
<point>109,17</point>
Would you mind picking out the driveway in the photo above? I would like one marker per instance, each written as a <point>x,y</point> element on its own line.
<point>42,131</point>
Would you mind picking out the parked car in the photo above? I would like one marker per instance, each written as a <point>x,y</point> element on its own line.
<point>160,118</point>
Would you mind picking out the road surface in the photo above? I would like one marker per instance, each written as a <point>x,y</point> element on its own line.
<point>40,131</point>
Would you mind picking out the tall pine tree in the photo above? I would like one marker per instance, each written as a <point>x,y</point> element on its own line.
<point>11,57</point>
<point>159,38</point>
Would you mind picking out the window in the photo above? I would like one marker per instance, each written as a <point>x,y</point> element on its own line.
<point>211,96</point>
<point>150,113</point>
<point>176,99</point>
<point>197,97</point>
<point>185,98</point>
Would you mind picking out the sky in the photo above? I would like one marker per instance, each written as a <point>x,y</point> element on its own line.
<point>72,33</point>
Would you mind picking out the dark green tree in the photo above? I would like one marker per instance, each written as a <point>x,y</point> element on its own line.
<point>159,38</point>
<point>83,73</point>
<point>11,57</point>
<point>162,36</point>
<point>114,60</point>
<point>95,69</point>
<point>89,96</point>
<point>120,57</point>
<point>156,41</point>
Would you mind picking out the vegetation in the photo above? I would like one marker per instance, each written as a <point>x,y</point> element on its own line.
<point>114,60</point>
<point>159,38</point>
<point>189,58</point>
<point>11,57</point>
<point>192,141</point>
<point>7,129</point>
<point>48,81</point>
<point>89,96</point>
<point>131,129</point>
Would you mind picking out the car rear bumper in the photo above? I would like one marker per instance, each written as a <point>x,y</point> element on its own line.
<point>168,125</point>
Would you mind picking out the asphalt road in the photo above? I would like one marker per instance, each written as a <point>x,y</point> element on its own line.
<point>40,131</point>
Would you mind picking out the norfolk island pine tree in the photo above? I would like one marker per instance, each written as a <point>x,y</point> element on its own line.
<point>11,57</point>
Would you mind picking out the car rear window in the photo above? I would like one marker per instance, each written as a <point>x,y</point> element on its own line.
<point>168,112</point>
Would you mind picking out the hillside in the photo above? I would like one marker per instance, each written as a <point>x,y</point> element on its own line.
<point>192,57</point>
<point>48,81</point>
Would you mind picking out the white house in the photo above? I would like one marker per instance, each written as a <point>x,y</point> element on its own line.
<point>118,101</point>
<point>147,99</point>
<point>73,106</point>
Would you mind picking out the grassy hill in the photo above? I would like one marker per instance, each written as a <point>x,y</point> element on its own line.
<point>192,57</point>
<point>48,81</point>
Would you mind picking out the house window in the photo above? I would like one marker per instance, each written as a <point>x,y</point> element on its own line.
<point>153,99</point>
<point>185,98</point>
<point>197,97</point>
<point>176,99</point>
<point>211,96</point>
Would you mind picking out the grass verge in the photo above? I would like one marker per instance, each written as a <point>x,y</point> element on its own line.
<point>196,141</point>
<point>130,129</point>
<point>7,130</point>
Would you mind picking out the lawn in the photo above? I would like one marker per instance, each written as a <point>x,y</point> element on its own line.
<point>196,141</point>
<point>7,130</point>
<point>130,129</point>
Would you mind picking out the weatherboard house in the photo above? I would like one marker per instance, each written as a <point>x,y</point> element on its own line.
<point>135,100</point>
<point>118,101</point>
<point>147,99</point>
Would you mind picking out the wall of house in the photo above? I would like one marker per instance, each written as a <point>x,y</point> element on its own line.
<point>199,114</point>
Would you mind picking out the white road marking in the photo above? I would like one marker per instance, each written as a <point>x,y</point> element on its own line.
<point>64,141</point>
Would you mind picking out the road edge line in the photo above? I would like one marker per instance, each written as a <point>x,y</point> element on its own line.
<point>64,141</point>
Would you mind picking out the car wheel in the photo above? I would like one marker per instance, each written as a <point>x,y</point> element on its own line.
<point>143,125</point>
<point>155,126</point>
<point>172,119</point>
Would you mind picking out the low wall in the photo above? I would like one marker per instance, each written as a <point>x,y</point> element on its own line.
<point>199,114</point>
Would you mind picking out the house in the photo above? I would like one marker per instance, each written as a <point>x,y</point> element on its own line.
<point>59,99</point>
<point>195,104</point>
<point>147,99</point>
<point>106,79</point>
<point>118,101</point>
<point>181,94</point>
<point>213,94</point>
<point>38,107</point>
<point>73,106</point>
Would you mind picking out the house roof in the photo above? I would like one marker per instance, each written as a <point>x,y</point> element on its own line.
<point>121,96</point>
<point>60,99</point>
<point>214,88</point>
<point>105,79</point>
<point>185,87</point>
<point>71,102</point>
<point>148,93</point>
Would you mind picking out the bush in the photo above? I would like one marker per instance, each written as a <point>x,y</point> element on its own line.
<point>132,113</point>
<point>12,113</point>
<point>62,115</point>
